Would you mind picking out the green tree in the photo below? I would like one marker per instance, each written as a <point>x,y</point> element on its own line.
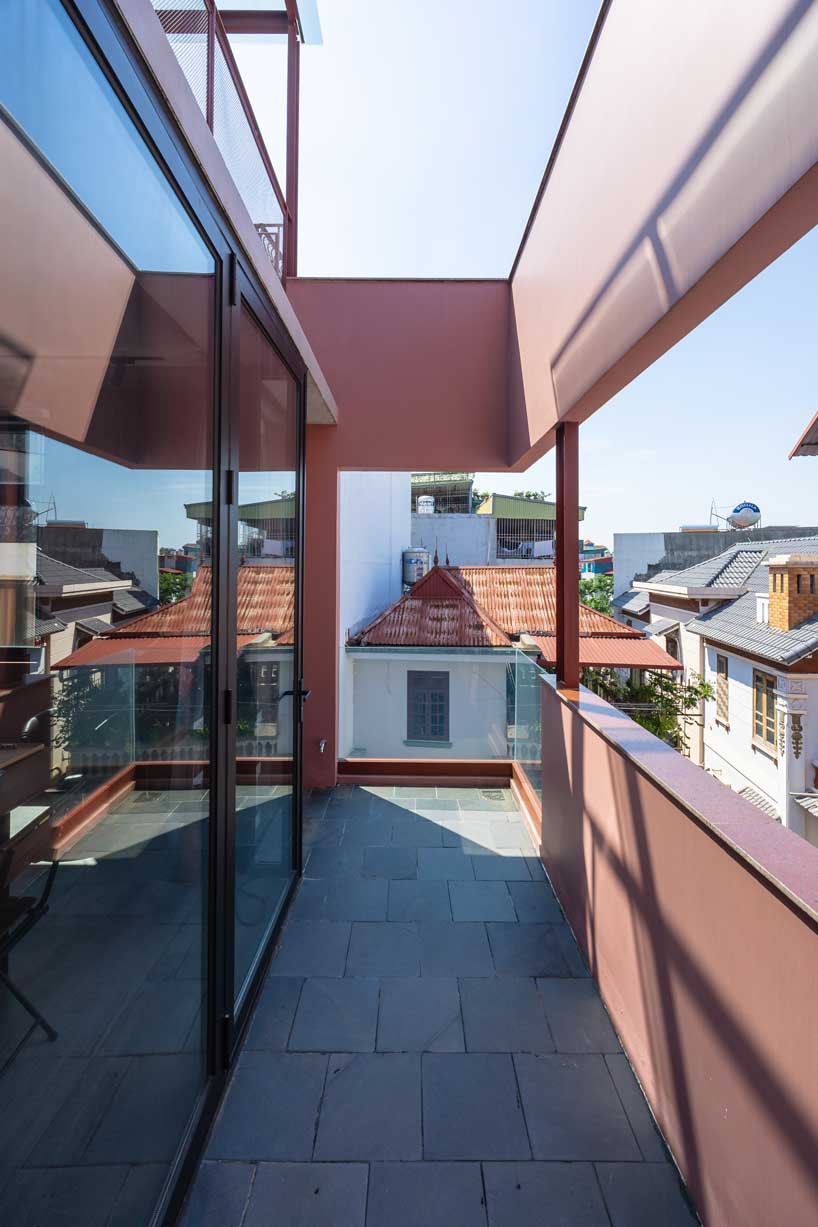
<point>478,497</point>
<point>536,496</point>
<point>664,706</point>
<point>173,585</point>
<point>596,591</point>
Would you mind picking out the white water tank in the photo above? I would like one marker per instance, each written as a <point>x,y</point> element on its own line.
<point>416,562</point>
<point>426,505</point>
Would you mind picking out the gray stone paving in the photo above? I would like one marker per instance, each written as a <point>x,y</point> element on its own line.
<point>428,1047</point>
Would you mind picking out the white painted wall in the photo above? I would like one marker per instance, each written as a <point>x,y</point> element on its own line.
<point>469,540</point>
<point>477,704</point>
<point>137,550</point>
<point>375,527</point>
<point>633,553</point>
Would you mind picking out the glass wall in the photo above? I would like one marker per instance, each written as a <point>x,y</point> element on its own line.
<point>106,428</point>
<point>266,682</point>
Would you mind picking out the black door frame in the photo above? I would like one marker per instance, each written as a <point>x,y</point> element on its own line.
<point>110,44</point>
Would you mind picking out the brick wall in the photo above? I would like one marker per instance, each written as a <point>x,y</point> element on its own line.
<point>788,606</point>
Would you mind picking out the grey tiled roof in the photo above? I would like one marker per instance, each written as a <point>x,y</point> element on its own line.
<point>661,626</point>
<point>636,602</point>
<point>95,626</point>
<point>759,800</point>
<point>101,573</point>
<point>52,571</point>
<point>47,626</point>
<point>735,625</point>
<point>134,601</point>
<point>729,569</point>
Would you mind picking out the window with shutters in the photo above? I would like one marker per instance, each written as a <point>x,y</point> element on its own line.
<point>427,706</point>
<point>764,710</point>
<point>722,690</point>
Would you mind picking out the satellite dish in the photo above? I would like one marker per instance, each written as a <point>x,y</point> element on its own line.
<point>744,515</point>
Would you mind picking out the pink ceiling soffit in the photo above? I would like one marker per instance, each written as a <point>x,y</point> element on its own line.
<point>685,165</point>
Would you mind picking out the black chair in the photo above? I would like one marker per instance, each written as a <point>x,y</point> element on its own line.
<point>18,916</point>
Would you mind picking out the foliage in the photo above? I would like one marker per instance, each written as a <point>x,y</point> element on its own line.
<point>92,708</point>
<point>596,591</point>
<point>173,586</point>
<point>478,497</point>
<point>667,708</point>
<point>536,496</point>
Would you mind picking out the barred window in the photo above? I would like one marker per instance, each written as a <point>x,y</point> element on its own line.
<point>427,706</point>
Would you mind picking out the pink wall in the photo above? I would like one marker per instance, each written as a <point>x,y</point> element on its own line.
<point>417,368</point>
<point>709,970</point>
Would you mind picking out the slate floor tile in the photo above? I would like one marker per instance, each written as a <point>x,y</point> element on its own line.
<point>312,948</point>
<point>219,1195</point>
<point>454,949</point>
<point>525,950</point>
<point>74,1123</point>
<point>371,1108</point>
<point>506,834</point>
<point>577,1017</point>
<point>481,901</point>
<point>412,832</point>
<point>536,1194</point>
<point>420,1015</point>
<point>572,1108</point>
<point>570,951</point>
<point>368,832</point>
<point>333,863</point>
<point>431,1194</point>
<point>638,1112</point>
<point>148,1111</point>
<point>61,1196</point>
<point>356,899</point>
<point>317,833</point>
<point>418,901</point>
<point>383,949</point>
<point>644,1194</point>
<point>471,1109</point>
<point>270,1108</point>
<point>444,864</point>
<point>336,1016</point>
<point>473,838</point>
<point>535,902</point>
<point>390,862</point>
<point>309,901</point>
<point>273,1015</point>
<point>501,868</point>
<point>314,1194</point>
<point>502,1014</point>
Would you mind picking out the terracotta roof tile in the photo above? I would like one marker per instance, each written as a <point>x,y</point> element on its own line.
<point>524,600</point>
<point>266,599</point>
<point>605,651</point>
<point>436,613</point>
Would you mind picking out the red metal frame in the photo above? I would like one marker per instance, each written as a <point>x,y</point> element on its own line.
<point>293,95</point>
<point>567,554</point>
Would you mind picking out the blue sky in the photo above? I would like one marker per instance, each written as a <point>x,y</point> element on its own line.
<point>425,128</point>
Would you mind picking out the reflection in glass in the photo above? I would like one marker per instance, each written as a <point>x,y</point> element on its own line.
<point>265,675</point>
<point>106,377</point>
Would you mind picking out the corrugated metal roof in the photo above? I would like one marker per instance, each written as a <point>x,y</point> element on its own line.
<point>621,653</point>
<point>266,599</point>
<point>523,600</point>
<point>437,613</point>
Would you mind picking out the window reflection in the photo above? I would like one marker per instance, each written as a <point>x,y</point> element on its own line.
<point>106,403</point>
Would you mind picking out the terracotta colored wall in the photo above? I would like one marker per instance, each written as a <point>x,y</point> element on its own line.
<point>710,973</point>
<point>418,369</point>
<point>321,596</point>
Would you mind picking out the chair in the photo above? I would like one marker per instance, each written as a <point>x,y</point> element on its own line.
<point>18,916</point>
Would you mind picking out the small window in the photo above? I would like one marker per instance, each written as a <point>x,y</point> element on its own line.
<point>798,579</point>
<point>764,709</point>
<point>775,582</point>
<point>722,690</point>
<point>427,706</point>
<point>812,585</point>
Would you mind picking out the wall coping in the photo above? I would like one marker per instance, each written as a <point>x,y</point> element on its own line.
<point>781,859</point>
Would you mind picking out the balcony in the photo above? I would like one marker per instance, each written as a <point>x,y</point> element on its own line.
<point>428,1046</point>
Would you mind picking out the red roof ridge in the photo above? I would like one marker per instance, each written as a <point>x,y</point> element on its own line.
<point>437,580</point>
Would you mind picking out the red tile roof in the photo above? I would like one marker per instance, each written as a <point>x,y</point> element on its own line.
<point>607,651</point>
<point>266,602</point>
<point>470,607</point>
<point>523,600</point>
<point>154,650</point>
<point>437,613</point>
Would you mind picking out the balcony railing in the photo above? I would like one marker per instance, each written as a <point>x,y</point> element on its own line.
<point>200,43</point>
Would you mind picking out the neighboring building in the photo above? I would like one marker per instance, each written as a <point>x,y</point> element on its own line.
<point>452,492</point>
<point>432,672</point>
<point>747,622</point>
<point>503,527</point>
<point>73,605</point>
<point>179,562</point>
<point>594,559</point>
<point>642,555</point>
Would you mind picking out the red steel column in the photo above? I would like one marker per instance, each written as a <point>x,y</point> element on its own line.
<point>293,96</point>
<point>567,555</point>
<point>321,607</point>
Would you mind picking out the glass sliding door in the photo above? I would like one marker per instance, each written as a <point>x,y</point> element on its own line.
<point>107,299</point>
<point>267,706</point>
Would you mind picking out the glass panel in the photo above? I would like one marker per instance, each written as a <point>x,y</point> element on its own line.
<point>265,624</point>
<point>525,699</point>
<point>106,380</point>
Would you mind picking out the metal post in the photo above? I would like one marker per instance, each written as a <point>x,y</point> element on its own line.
<point>211,64</point>
<point>567,555</point>
<point>293,88</point>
